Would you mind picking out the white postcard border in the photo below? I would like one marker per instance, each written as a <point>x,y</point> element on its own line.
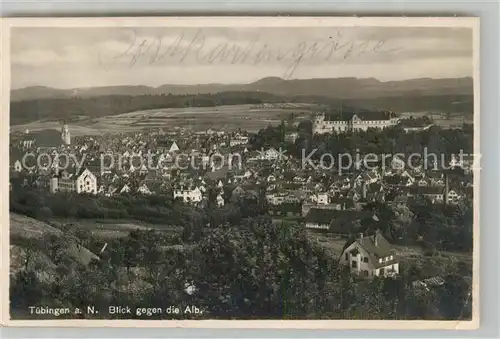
<point>8,23</point>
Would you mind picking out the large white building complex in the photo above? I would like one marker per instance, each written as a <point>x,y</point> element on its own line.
<point>359,121</point>
<point>84,181</point>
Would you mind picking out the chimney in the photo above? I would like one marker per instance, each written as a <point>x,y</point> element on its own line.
<point>375,238</point>
<point>365,189</point>
<point>446,189</point>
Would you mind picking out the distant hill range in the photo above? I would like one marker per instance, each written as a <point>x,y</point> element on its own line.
<point>341,88</point>
<point>439,95</point>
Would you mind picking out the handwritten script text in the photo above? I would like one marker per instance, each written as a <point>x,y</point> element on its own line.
<point>184,49</point>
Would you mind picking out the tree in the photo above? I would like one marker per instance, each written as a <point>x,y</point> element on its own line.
<point>44,213</point>
<point>55,247</point>
<point>25,290</point>
<point>454,297</point>
<point>261,270</point>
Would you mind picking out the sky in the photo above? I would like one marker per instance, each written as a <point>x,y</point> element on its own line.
<point>90,57</point>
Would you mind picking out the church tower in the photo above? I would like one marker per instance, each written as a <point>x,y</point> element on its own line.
<point>65,135</point>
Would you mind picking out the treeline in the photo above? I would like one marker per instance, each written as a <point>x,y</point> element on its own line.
<point>417,121</point>
<point>444,227</point>
<point>460,104</point>
<point>94,107</point>
<point>250,270</point>
<point>42,205</point>
<point>431,226</point>
<point>161,209</point>
<point>435,140</point>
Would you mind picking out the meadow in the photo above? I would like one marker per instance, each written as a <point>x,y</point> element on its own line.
<point>249,117</point>
<point>227,118</point>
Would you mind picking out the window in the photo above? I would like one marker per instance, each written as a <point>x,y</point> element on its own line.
<point>346,256</point>
<point>354,264</point>
<point>382,272</point>
<point>365,259</point>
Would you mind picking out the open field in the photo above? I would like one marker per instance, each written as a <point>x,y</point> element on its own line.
<point>333,244</point>
<point>228,118</point>
<point>23,227</point>
<point>443,120</point>
<point>113,228</point>
<point>76,129</point>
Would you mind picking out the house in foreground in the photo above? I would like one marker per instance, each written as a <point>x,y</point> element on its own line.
<point>369,256</point>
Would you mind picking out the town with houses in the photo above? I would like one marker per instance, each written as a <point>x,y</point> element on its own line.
<point>290,171</point>
<point>149,163</point>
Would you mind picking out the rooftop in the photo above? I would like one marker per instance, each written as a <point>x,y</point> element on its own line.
<point>346,115</point>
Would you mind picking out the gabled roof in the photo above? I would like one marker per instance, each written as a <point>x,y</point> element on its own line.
<point>238,190</point>
<point>83,170</point>
<point>174,147</point>
<point>381,249</point>
<point>374,115</point>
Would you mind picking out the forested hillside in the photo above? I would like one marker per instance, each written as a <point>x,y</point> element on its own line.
<point>70,108</point>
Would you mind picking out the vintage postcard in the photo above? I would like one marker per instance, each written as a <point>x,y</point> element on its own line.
<point>244,172</point>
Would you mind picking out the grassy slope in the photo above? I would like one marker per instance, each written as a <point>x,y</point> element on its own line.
<point>26,227</point>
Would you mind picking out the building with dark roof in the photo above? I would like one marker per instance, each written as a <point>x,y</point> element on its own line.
<point>370,256</point>
<point>342,222</point>
<point>320,218</point>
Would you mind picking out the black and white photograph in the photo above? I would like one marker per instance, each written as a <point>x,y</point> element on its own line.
<point>235,169</point>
